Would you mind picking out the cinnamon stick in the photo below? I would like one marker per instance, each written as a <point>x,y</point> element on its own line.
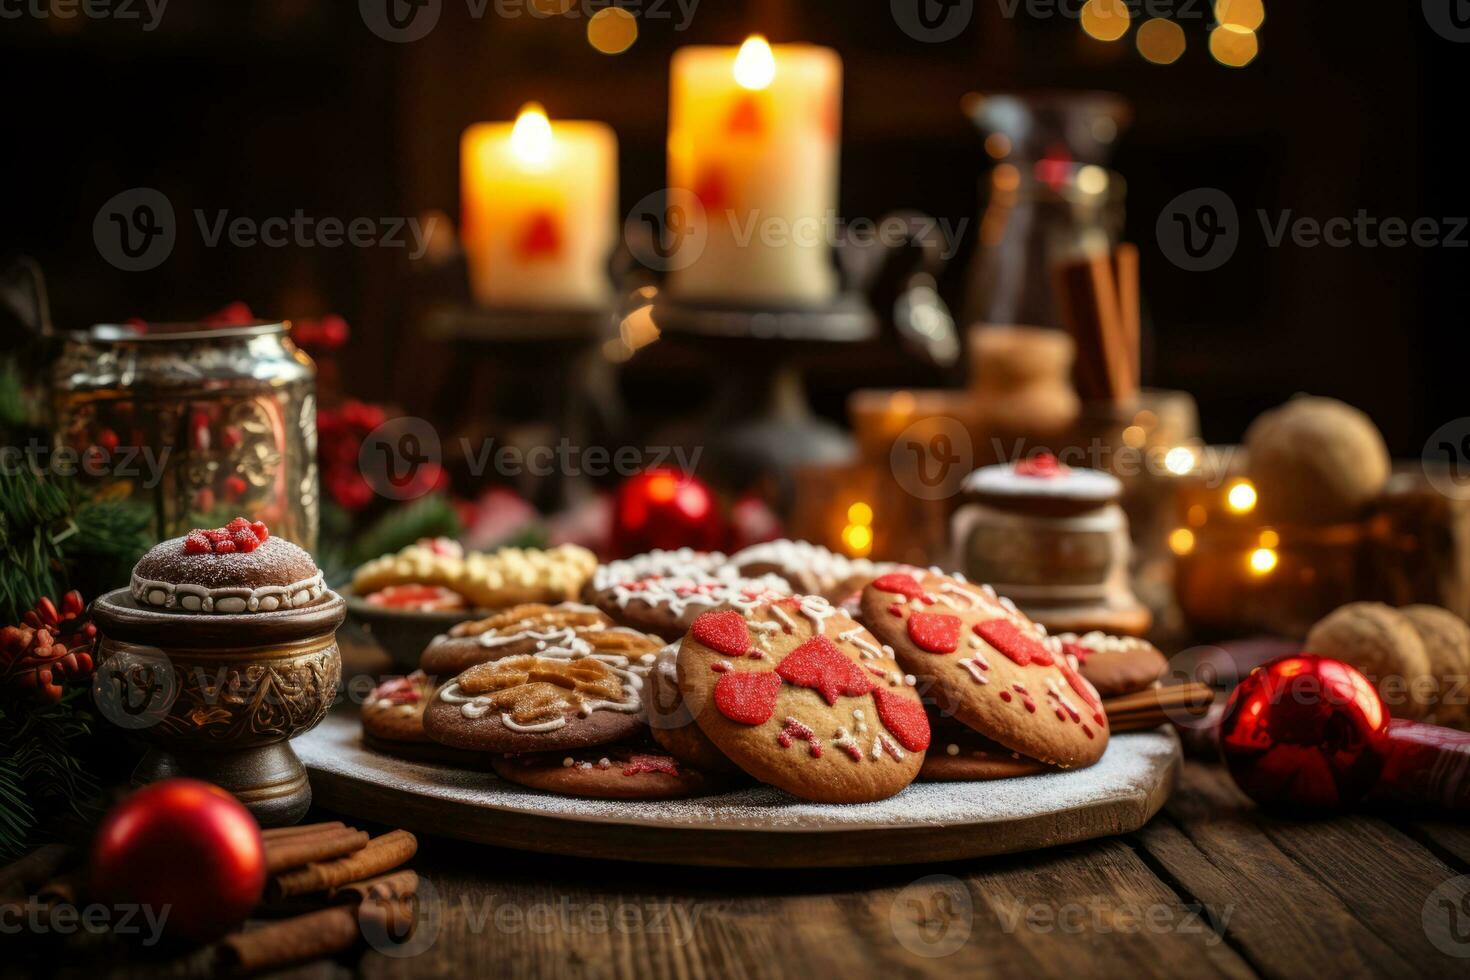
<point>293,851</point>
<point>290,941</point>
<point>1155,706</point>
<point>381,854</point>
<point>277,833</point>
<point>395,885</point>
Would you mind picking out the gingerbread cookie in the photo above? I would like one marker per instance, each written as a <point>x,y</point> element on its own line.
<point>608,772</point>
<point>519,630</point>
<point>960,754</point>
<point>671,722</point>
<point>393,723</point>
<point>801,697</point>
<point>988,666</point>
<point>662,592</point>
<point>560,698</point>
<point>239,568</point>
<point>1114,665</point>
<point>810,569</point>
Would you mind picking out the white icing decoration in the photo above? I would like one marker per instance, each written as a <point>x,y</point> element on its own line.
<point>226,599</point>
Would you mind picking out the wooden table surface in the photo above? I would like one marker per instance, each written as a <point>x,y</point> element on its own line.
<point>1212,886</point>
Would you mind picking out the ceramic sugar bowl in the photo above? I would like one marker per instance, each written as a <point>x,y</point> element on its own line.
<point>222,649</point>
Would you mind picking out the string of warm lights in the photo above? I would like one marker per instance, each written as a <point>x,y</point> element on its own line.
<point>1233,38</point>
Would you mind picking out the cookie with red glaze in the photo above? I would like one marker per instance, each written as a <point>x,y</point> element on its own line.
<point>799,696</point>
<point>608,772</point>
<point>1115,665</point>
<point>393,723</point>
<point>671,720</point>
<point>662,592</point>
<point>989,666</point>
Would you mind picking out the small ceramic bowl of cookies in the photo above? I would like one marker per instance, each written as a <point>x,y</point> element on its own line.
<point>404,600</point>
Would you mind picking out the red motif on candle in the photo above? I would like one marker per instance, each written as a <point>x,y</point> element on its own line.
<point>746,118</point>
<point>542,237</point>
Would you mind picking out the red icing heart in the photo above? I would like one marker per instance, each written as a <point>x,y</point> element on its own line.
<point>903,717</point>
<point>819,665</point>
<point>723,632</point>
<point>935,632</point>
<point>904,585</point>
<point>747,697</point>
<point>1022,647</point>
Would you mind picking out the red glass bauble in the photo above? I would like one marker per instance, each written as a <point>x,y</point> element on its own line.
<point>664,508</point>
<point>1304,734</point>
<point>183,846</point>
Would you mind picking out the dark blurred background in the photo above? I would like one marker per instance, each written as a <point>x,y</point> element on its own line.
<point>265,107</point>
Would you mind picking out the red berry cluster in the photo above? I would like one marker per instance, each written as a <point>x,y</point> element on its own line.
<point>1042,465</point>
<point>49,648</point>
<point>240,535</point>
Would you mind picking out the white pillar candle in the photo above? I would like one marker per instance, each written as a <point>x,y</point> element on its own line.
<point>539,218</point>
<point>753,136</point>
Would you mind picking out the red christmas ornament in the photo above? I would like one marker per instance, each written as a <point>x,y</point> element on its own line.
<point>1305,734</point>
<point>663,508</point>
<point>184,846</point>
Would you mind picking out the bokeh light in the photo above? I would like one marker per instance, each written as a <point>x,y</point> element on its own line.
<point>1181,541</point>
<point>1247,15</point>
<point>1105,20</point>
<point>1161,41</point>
<point>1234,47</point>
<point>1263,561</point>
<point>612,30</point>
<point>1241,497</point>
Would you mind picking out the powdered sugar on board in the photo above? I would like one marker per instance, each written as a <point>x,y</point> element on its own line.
<point>1130,774</point>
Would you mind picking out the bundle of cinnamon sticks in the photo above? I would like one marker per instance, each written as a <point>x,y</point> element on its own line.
<point>1099,301</point>
<point>341,876</point>
<point>1155,706</point>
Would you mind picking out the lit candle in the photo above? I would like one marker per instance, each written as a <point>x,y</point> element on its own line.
<point>539,210</point>
<point>753,136</point>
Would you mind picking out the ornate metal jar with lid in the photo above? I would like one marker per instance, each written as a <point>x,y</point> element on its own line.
<point>199,422</point>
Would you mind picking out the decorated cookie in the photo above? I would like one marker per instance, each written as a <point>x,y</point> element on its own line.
<point>1114,665</point>
<point>523,629</point>
<point>671,722</point>
<point>961,754</point>
<point>809,568</point>
<point>608,772</point>
<point>562,697</point>
<point>239,568</point>
<point>662,591</point>
<point>803,698</point>
<point>393,723</point>
<point>988,666</point>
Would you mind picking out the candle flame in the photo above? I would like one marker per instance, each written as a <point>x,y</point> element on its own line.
<point>755,65</point>
<point>530,138</point>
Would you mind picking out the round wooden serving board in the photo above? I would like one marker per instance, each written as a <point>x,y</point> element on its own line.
<point>756,827</point>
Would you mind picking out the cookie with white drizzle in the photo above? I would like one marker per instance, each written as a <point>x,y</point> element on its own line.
<point>800,696</point>
<point>988,666</point>
<point>809,568</point>
<point>661,592</point>
<point>523,629</point>
<point>1114,665</point>
<point>607,772</point>
<point>561,697</point>
<point>393,723</point>
<point>240,568</point>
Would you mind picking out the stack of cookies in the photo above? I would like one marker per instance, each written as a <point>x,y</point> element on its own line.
<point>682,673</point>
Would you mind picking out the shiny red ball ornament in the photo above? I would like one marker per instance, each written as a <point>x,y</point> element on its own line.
<point>664,508</point>
<point>1305,734</point>
<point>183,847</point>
